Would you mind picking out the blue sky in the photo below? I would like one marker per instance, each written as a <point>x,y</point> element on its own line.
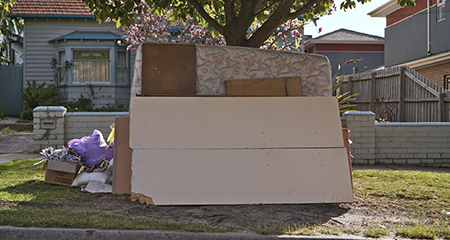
<point>354,19</point>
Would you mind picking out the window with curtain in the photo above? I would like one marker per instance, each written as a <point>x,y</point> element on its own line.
<point>91,66</point>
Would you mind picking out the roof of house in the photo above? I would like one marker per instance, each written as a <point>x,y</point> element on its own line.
<point>80,35</point>
<point>348,36</point>
<point>345,36</point>
<point>50,8</point>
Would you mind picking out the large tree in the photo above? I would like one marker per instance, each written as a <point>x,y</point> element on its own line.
<point>230,18</point>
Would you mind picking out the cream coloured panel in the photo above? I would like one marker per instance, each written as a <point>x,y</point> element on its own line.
<point>242,176</point>
<point>234,122</point>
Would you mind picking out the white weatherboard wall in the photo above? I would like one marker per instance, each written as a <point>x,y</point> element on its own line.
<point>238,150</point>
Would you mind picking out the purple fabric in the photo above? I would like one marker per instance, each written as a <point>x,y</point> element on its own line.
<point>90,150</point>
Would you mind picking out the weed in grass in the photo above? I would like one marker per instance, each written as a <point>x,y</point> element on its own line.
<point>375,232</point>
<point>417,232</point>
<point>307,230</point>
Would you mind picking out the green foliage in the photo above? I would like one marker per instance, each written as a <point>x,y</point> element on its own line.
<point>82,104</point>
<point>8,130</point>
<point>346,98</point>
<point>111,108</point>
<point>26,116</point>
<point>1,111</point>
<point>231,19</point>
<point>34,95</point>
<point>6,24</point>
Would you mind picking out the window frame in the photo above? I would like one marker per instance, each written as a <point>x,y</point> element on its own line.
<point>94,83</point>
<point>69,46</point>
<point>440,5</point>
<point>447,82</point>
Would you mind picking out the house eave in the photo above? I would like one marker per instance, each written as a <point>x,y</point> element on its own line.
<point>385,9</point>
<point>429,61</point>
<point>315,42</point>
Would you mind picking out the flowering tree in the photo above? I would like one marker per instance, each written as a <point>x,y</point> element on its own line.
<point>230,18</point>
<point>158,27</point>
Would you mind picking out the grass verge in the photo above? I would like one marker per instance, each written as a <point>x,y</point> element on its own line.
<point>407,204</point>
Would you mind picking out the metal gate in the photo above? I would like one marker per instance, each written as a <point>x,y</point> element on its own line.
<point>11,82</point>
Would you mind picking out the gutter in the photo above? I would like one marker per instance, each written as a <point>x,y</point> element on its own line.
<point>50,16</point>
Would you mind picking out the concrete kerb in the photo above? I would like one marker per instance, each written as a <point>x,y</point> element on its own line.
<point>14,233</point>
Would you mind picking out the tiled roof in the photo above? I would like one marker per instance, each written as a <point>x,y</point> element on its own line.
<point>24,8</point>
<point>348,35</point>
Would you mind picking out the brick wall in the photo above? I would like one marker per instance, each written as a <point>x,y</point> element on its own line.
<point>80,124</point>
<point>53,127</point>
<point>425,144</point>
<point>436,73</point>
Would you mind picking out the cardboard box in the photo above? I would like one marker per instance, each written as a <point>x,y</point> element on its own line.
<point>60,173</point>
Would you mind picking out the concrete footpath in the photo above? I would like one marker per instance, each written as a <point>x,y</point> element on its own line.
<point>14,233</point>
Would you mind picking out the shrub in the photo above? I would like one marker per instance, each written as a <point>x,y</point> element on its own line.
<point>82,104</point>
<point>26,116</point>
<point>34,95</point>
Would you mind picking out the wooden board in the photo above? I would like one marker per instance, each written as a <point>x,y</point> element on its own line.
<point>168,69</point>
<point>242,176</point>
<point>265,87</point>
<point>122,157</point>
<point>234,122</point>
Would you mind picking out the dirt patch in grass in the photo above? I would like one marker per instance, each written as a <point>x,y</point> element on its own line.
<point>243,218</point>
<point>261,219</point>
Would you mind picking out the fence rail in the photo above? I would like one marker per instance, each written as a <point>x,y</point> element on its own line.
<point>398,94</point>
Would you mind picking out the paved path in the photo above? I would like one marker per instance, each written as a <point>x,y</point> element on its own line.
<point>12,156</point>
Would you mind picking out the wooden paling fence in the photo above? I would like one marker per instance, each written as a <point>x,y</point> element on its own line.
<point>398,94</point>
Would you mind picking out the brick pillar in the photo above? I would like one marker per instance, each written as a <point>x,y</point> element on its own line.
<point>48,126</point>
<point>362,134</point>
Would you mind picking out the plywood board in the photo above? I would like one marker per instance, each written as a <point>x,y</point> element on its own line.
<point>168,69</point>
<point>265,87</point>
<point>122,157</point>
<point>242,176</point>
<point>234,122</point>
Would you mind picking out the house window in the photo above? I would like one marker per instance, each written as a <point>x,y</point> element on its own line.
<point>440,10</point>
<point>91,66</point>
<point>447,82</point>
<point>60,69</point>
<point>122,67</point>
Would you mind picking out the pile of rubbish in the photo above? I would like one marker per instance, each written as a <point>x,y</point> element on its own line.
<point>95,157</point>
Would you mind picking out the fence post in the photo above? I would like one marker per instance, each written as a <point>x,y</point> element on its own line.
<point>441,108</point>
<point>49,126</point>
<point>401,107</point>
<point>373,91</point>
<point>350,84</point>
<point>362,134</point>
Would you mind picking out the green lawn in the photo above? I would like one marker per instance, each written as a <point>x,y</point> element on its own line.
<point>407,204</point>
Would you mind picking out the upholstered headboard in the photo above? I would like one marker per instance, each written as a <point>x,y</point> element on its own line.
<point>203,70</point>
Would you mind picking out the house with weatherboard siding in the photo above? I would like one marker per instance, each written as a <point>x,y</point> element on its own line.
<point>418,37</point>
<point>64,45</point>
<point>343,45</point>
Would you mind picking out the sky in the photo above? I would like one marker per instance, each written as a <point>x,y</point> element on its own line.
<point>355,19</point>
